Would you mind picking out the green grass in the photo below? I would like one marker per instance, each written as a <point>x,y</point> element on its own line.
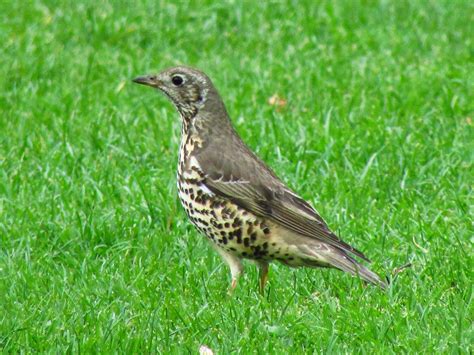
<point>95,251</point>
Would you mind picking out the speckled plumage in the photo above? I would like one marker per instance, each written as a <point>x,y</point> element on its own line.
<point>234,199</point>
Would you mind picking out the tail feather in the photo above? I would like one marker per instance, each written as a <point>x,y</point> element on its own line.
<point>341,260</point>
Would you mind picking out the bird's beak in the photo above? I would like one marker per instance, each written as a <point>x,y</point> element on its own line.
<point>149,80</point>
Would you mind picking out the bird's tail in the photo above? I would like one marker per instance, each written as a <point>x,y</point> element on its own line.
<point>341,260</point>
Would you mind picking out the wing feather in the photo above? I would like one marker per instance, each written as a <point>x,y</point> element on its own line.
<point>282,206</point>
<point>233,171</point>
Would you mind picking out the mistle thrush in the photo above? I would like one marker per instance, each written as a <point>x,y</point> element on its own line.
<point>234,199</point>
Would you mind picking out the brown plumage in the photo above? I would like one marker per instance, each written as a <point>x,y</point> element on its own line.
<point>234,199</point>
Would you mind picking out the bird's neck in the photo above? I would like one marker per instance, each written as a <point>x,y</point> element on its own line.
<point>187,113</point>
<point>190,142</point>
<point>201,123</point>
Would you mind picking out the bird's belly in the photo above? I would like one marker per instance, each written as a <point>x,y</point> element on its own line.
<point>228,225</point>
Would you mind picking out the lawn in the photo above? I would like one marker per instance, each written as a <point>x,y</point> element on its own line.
<point>375,128</point>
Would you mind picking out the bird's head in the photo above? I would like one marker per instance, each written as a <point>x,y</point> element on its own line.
<point>189,89</point>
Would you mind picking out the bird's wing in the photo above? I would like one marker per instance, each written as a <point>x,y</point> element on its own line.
<point>254,187</point>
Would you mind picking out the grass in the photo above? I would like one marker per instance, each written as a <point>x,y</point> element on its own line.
<point>96,254</point>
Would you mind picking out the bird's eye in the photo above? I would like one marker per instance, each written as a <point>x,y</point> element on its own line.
<point>177,80</point>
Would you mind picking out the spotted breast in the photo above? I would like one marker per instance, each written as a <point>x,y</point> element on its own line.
<point>227,225</point>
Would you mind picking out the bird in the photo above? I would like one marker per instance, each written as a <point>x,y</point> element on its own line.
<point>234,199</point>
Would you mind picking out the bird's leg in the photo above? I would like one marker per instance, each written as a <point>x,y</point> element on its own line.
<point>263,276</point>
<point>235,265</point>
<point>236,270</point>
<point>233,285</point>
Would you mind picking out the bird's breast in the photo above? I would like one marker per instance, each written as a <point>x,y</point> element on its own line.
<point>226,224</point>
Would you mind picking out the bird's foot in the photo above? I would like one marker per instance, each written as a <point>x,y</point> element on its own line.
<point>232,287</point>
<point>263,278</point>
